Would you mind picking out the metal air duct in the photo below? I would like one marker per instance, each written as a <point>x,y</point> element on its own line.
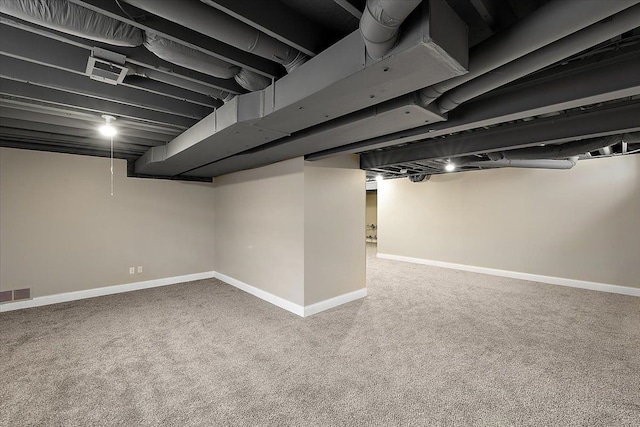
<point>69,18</point>
<point>336,82</point>
<point>180,82</point>
<point>380,23</point>
<point>575,43</point>
<point>220,26</point>
<point>528,164</point>
<point>549,23</point>
<point>559,151</point>
<point>188,57</point>
<point>193,59</point>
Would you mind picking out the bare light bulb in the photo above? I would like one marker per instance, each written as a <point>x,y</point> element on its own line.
<point>450,167</point>
<point>379,178</point>
<point>108,129</point>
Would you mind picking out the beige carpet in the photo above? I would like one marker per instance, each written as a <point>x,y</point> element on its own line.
<point>428,346</point>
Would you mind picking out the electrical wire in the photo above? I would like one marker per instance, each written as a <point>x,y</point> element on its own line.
<point>112,165</point>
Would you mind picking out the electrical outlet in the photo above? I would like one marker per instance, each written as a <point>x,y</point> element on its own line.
<point>139,269</point>
<point>132,270</point>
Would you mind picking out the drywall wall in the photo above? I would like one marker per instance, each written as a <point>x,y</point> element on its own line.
<point>293,228</point>
<point>259,223</point>
<point>334,219</point>
<point>62,231</point>
<point>581,224</point>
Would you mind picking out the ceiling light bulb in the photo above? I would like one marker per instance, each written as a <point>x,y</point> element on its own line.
<point>450,167</point>
<point>108,129</point>
<point>379,178</point>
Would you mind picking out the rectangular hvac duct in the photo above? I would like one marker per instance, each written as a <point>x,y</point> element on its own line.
<point>398,114</point>
<point>336,82</point>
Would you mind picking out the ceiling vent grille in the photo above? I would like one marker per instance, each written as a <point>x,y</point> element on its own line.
<point>107,67</point>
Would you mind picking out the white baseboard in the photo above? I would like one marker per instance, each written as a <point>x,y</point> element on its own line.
<point>98,292</point>
<point>594,286</point>
<point>264,295</point>
<point>334,302</point>
<point>302,311</point>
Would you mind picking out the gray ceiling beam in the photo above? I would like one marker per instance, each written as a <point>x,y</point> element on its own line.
<point>25,91</point>
<point>138,56</point>
<point>603,121</point>
<point>40,75</point>
<point>170,91</point>
<point>90,133</point>
<point>186,37</point>
<point>56,112</point>
<point>23,44</point>
<point>84,151</point>
<point>277,20</point>
<point>601,82</point>
<point>349,7</point>
<point>90,124</point>
<point>53,53</point>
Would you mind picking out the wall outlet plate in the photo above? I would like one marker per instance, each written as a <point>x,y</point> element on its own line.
<point>139,269</point>
<point>132,270</point>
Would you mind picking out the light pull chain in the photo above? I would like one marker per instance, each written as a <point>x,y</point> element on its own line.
<point>112,165</point>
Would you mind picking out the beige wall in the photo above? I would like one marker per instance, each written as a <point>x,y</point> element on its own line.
<point>259,222</point>
<point>293,228</point>
<point>334,220</point>
<point>61,231</point>
<point>581,224</point>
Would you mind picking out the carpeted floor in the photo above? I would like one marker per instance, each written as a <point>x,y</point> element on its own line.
<point>428,346</point>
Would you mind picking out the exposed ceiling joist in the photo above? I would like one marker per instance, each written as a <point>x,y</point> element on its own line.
<point>598,122</point>
<point>541,96</point>
<point>349,7</point>
<point>25,91</point>
<point>15,31</point>
<point>186,37</point>
<point>72,113</point>
<point>170,91</point>
<point>52,53</point>
<point>67,140</point>
<point>56,148</point>
<point>277,20</point>
<point>88,133</point>
<point>18,70</point>
<point>90,122</point>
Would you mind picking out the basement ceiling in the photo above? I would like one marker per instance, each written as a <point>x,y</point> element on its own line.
<point>442,94</point>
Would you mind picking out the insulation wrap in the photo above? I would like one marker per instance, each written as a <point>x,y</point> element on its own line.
<point>69,18</point>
